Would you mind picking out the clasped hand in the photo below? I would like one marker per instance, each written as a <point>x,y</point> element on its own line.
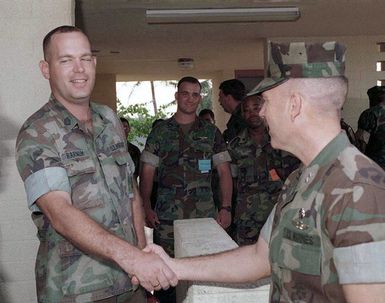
<point>153,270</point>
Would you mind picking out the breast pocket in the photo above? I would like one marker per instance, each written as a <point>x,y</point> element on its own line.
<point>83,180</point>
<point>80,167</point>
<point>119,170</point>
<point>300,251</point>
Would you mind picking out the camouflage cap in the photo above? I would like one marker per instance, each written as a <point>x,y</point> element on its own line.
<point>301,60</point>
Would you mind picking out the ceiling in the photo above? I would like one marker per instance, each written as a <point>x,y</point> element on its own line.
<point>119,32</point>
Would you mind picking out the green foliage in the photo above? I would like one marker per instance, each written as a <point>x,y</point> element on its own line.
<point>206,95</point>
<point>140,118</point>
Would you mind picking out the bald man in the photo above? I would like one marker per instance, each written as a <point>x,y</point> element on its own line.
<point>325,238</point>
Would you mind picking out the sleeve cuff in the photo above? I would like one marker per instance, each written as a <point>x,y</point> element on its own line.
<point>221,157</point>
<point>149,158</point>
<point>362,263</point>
<point>44,181</point>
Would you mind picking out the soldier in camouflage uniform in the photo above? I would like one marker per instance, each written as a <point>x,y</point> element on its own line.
<point>72,157</point>
<point>258,171</point>
<point>185,149</point>
<point>231,94</point>
<point>324,241</point>
<point>371,126</point>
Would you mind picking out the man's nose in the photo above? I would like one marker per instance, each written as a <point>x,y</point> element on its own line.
<point>78,66</point>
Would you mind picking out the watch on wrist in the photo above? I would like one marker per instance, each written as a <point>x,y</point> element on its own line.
<point>228,208</point>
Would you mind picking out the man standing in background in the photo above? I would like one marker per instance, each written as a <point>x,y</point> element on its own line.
<point>258,171</point>
<point>371,126</point>
<point>231,94</point>
<point>184,149</point>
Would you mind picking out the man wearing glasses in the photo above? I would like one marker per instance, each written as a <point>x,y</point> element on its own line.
<point>184,149</point>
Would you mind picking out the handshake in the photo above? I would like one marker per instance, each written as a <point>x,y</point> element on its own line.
<point>154,269</point>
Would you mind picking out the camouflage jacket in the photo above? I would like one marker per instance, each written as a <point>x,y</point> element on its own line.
<point>328,227</point>
<point>371,130</point>
<point>185,163</point>
<point>260,172</point>
<point>235,124</point>
<point>55,153</point>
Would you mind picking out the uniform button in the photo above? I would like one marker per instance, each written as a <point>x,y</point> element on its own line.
<point>307,179</point>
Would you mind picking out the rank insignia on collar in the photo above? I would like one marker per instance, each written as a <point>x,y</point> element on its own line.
<point>298,223</point>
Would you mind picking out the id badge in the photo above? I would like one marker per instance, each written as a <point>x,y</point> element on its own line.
<point>204,165</point>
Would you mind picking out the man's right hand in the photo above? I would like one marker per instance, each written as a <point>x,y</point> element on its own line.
<point>151,218</point>
<point>150,271</point>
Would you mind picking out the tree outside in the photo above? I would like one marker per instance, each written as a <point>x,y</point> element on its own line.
<point>142,113</point>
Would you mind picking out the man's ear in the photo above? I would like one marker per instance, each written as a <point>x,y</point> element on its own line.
<point>44,68</point>
<point>295,105</point>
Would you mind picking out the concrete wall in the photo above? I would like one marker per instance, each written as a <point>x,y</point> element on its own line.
<point>105,90</point>
<point>22,91</point>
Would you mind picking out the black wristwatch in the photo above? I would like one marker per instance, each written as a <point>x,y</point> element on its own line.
<point>228,208</point>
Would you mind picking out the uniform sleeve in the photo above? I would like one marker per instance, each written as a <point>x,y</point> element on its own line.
<point>221,154</point>
<point>150,154</point>
<point>367,123</point>
<point>357,230</point>
<point>39,165</point>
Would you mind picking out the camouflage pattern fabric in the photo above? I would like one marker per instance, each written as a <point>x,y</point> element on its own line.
<point>235,124</point>
<point>302,60</point>
<point>328,214</point>
<point>260,172</point>
<point>97,172</point>
<point>164,236</point>
<point>184,188</point>
<point>371,130</point>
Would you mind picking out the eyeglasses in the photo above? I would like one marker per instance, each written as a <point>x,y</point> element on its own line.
<point>185,94</point>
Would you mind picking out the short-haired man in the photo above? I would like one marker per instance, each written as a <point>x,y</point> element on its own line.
<point>371,126</point>
<point>258,171</point>
<point>77,173</point>
<point>184,149</point>
<point>325,239</point>
<point>231,94</point>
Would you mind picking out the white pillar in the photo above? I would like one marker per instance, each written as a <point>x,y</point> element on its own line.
<point>22,91</point>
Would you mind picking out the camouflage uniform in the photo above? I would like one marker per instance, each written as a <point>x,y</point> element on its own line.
<point>235,124</point>
<point>260,171</point>
<point>328,227</point>
<point>184,163</point>
<point>371,130</point>
<point>55,153</point>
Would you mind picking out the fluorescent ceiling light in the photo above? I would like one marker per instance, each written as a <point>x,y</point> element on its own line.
<point>222,15</point>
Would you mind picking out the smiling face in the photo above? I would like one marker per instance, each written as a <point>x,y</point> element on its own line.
<point>188,97</point>
<point>70,68</point>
